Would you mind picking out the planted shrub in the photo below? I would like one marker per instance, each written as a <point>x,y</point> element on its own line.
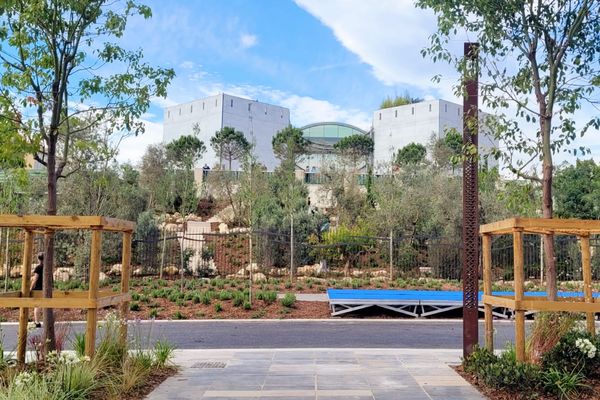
<point>218,307</point>
<point>289,300</point>
<point>562,383</point>
<point>179,315</point>
<point>134,306</point>
<point>247,305</point>
<point>574,351</point>
<point>154,313</point>
<point>225,295</point>
<point>270,296</point>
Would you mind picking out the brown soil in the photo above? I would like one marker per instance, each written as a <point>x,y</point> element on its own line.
<point>168,310</point>
<point>593,393</point>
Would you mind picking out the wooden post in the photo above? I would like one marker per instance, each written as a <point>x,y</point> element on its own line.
<point>519,292</point>
<point>25,283</point>
<point>587,281</point>
<point>125,266</point>
<point>487,290</point>
<point>391,254</point>
<point>92,313</point>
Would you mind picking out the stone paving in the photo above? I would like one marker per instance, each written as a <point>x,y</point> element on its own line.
<point>382,374</point>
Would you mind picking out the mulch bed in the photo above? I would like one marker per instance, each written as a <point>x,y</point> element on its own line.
<point>152,382</point>
<point>498,394</point>
<point>168,310</point>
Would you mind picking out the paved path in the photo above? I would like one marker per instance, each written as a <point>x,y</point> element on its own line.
<point>341,374</point>
<point>331,333</point>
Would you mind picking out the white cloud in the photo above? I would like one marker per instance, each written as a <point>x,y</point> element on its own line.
<point>132,147</point>
<point>187,65</point>
<point>387,35</point>
<point>247,40</point>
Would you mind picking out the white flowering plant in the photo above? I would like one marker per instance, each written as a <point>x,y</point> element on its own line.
<point>575,351</point>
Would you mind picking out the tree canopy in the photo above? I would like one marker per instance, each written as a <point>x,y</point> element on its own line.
<point>396,101</point>
<point>54,84</point>
<point>411,154</point>
<point>229,144</point>
<point>355,147</point>
<point>538,61</point>
<point>289,144</point>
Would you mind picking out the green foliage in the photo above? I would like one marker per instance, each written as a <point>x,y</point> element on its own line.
<point>564,384</point>
<point>79,343</point>
<point>230,145</point>
<point>506,372</point>
<point>479,359</point>
<point>402,100</point>
<point>134,306</point>
<point>289,144</point>
<point>162,353</point>
<point>411,154</point>
<point>185,151</point>
<point>218,307</point>
<point>566,356</point>
<point>179,315</point>
<point>355,147</point>
<point>289,300</point>
<point>577,190</point>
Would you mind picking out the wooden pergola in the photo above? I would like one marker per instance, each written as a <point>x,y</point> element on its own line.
<point>91,299</point>
<point>521,303</point>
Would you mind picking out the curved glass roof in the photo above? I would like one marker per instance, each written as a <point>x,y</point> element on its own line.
<point>330,131</point>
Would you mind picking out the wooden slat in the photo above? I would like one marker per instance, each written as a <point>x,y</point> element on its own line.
<point>113,300</point>
<point>486,244</point>
<point>499,301</point>
<point>125,268</point>
<point>92,314</point>
<point>30,302</point>
<point>25,289</point>
<point>65,222</point>
<point>543,225</point>
<point>586,266</point>
<point>546,305</point>
<point>519,292</point>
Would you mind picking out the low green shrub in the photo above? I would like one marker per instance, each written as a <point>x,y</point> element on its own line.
<point>289,300</point>
<point>134,306</point>
<point>562,383</point>
<point>225,295</point>
<point>575,351</point>
<point>218,307</point>
<point>154,313</point>
<point>247,305</point>
<point>179,315</point>
<point>162,353</point>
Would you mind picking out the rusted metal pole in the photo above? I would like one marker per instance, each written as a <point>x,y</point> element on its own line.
<point>470,228</point>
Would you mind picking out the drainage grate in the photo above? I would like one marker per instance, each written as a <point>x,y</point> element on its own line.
<point>209,364</point>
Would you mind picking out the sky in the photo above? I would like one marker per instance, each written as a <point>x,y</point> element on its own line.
<point>333,60</point>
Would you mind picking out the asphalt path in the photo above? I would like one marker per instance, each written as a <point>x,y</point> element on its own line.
<point>264,334</point>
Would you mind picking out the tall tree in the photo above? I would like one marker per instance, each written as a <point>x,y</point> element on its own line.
<point>183,153</point>
<point>229,144</point>
<point>357,148</point>
<point>553,57</point>
<point>52,54</point>
<point>289,145</point>
<point>577,190</point>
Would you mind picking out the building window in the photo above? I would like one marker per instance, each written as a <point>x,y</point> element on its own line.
<point>430,108</point>
<point>445,107</point>
<point>231,102</point>
<point>249,107</point>
<point>191,109</point>
<point>180,111</point>
<point>265,110</point>
<point>396,113</point>
<point>380,116</point>
<point>168,114</point>
<point>412,111</point>
<point>458,113</point>
<point>281,116</point>
<point>202,106</point>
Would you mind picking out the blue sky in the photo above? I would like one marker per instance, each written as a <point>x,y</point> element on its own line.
<point>325,60</point>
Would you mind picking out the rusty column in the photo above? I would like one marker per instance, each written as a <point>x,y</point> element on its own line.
<point>470,228</point>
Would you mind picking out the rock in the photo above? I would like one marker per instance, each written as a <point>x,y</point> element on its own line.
<point>61,276</point>
<point>241,273</point>
<point>309,270</point>
<point>259,277</point>
<point>171,270</point>
<point>115,270</point>
<point>102,277</point>
<point>223,228</point>
<point>379,273</point>
<point>138,272</point>
<point>252,267</point>
<point>15,272</point>
<point>357,273</point>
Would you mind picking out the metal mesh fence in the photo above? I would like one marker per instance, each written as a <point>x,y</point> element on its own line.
<point>171,253</point>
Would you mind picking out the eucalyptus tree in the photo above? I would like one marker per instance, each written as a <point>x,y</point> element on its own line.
<point>55,57</point>
<point>538,60</point>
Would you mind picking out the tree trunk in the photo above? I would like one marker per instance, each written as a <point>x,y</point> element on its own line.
<point>550,260</point>
<point>49,334</point>
<point>547,208</point>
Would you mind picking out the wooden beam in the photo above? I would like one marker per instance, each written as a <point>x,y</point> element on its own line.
<point>499,301</point>
<point>54,302</point>
<point>125,264</point>
<point>546,305</point>
<point>57,222</point>
<point>586,265</point>
<point>92,313</point>
<point>25,286</point>
<point>486,244</point>
<point>543,225</point>
<point>519,292</point>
